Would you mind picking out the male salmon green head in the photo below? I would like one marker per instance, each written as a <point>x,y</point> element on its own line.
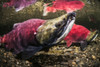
<point>54,30</point>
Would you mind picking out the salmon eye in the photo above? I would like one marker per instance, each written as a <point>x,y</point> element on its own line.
<point>58,24</point>
<point>64,19</point>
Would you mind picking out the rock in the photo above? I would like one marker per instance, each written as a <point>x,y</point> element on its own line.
<point>5,54</point>
<point>73,63</point>
<point>28,65</point>
<point>4,60</point>
<point>77,50</point>
<point>81,63</point>
<point>27,62</point>
<point>77,59</point>
<point>84,55</point>
<point>93,57</point>
<point>18,63</point>
<point>67,50</point>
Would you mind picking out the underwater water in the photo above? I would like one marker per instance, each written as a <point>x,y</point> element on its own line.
<point>57,56</point>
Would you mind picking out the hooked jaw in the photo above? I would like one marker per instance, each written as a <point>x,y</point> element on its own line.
<point>66,28</point>
<point>60,26</point>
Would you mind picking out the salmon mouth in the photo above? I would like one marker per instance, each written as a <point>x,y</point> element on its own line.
<point>63,28</point>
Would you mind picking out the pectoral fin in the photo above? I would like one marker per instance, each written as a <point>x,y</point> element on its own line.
<point>69,43</point>
<point>83,45</point>
<point>30,51</point>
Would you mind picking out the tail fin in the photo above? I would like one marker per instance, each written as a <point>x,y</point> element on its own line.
<point>92,35</point>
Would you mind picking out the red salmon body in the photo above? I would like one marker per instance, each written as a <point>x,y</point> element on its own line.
<point>22,35</point>
<point>66,5</point>
<point>10,4</point>
<point>78,33</point>
<point>19,4</point>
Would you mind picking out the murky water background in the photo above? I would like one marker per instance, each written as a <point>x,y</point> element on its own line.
<point>57,56</point>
